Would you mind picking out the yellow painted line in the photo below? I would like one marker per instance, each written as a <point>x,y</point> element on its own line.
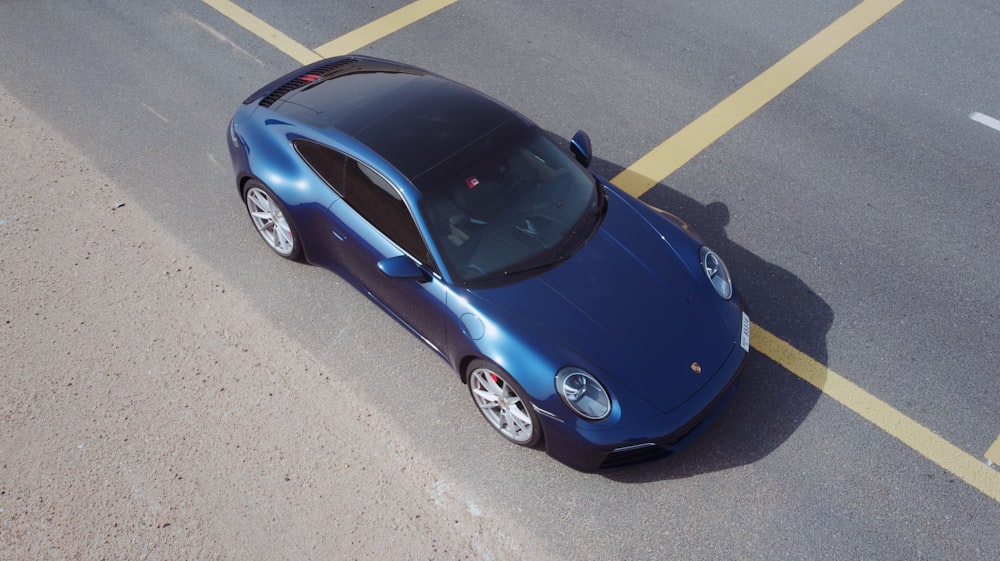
<point>993,454</point>
<point>265,31</point>
<point>386,25</point>
<point>347,43</point>
<point>698,135</point>
<point>881,414</point>
<point>678,150</point>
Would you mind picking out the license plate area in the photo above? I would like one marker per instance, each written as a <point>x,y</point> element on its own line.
<point>745,333</point>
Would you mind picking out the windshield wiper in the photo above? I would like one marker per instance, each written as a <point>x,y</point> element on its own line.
<point>574,241</point>
<point>513,272</point>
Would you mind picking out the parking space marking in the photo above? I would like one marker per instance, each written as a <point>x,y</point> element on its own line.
<point>679,149</point>
<point>881,414</point>
<point>218,35</point>
<point>386,25</point>
<point>156,113</point>
<point>346,43</point>
<point>986,120</point>
<point>265,31</point>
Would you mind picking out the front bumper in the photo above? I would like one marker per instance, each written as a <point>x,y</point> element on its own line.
<point>651,439</point>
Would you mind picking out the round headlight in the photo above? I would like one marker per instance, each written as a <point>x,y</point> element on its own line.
<point>717,273</point>
<point>583,394</point>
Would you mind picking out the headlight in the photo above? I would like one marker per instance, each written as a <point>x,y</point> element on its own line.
<point>717,273</point>
<point>583,394</point>
<point>232,135</point>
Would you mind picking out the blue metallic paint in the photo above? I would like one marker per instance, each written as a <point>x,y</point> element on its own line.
<point>633,307</point>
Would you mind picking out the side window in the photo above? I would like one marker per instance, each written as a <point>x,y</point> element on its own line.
<point>326,162</point>
<point>379,202</point>
<point>367,192</point>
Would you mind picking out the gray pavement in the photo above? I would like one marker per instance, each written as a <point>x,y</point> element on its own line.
<point>858,211</point>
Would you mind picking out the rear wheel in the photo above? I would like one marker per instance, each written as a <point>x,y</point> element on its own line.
<point>269,218</point>
<point>503,403</point>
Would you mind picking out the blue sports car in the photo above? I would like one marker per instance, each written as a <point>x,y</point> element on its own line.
<point>579,317</point>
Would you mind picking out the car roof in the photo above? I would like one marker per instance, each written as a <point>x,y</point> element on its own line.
<point>417,121</point>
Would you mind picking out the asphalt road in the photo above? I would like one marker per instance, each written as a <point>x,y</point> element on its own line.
<point>859,212</point>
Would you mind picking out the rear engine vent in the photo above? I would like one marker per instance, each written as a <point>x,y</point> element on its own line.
<point>306,78</point>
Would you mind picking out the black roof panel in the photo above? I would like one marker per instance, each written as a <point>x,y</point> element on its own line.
<point>413,120</point>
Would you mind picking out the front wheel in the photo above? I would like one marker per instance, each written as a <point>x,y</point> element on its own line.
<point>268,217</point>
<point>503,403</point>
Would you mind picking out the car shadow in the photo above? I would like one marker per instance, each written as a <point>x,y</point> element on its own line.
<point>771,402</point>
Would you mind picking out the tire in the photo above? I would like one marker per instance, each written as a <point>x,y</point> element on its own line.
<point>271,221</point>
<point>503,403</point>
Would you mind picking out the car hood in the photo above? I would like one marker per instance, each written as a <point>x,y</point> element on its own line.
<point>627,305</point>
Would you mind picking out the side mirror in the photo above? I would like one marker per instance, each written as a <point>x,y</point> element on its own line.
<point>580,147</point>
<point>402,267</point>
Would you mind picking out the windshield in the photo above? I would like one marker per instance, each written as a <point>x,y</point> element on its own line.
<point>522,207</point>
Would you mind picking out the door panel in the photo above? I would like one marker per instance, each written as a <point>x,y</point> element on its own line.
<point>418,305</point>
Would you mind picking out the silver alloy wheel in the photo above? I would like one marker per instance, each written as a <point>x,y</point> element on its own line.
<point>270,221</point>
<point>500,403</point>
